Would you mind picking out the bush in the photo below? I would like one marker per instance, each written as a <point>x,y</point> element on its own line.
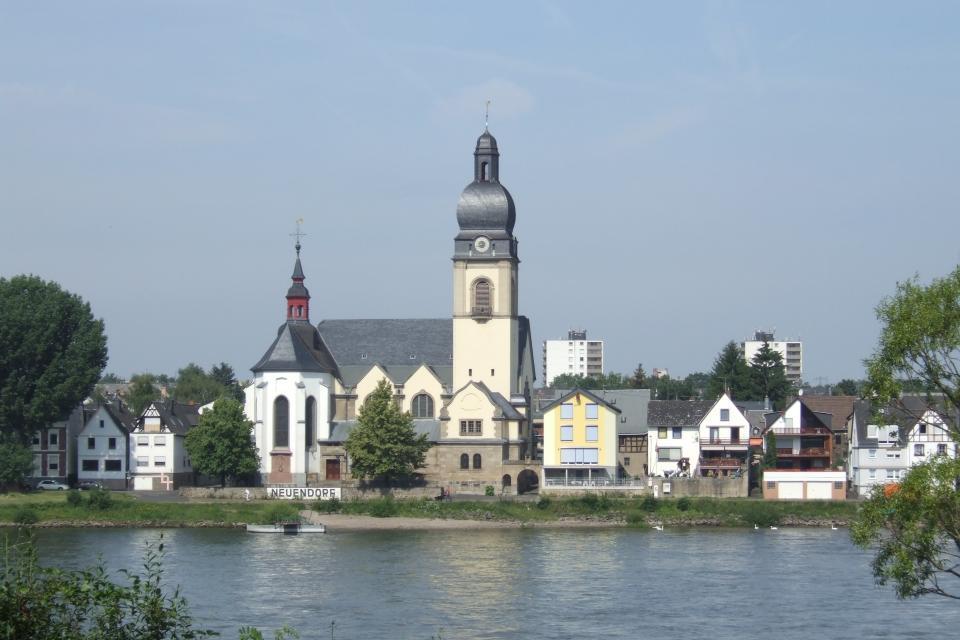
<point>544,503</point>
<point>488,490</point>
<point>759,513</point>
<point>649,503</point>
<point>74,499</point>
<point>382,508</point>
<point>100,499</point>
<point>636,518</point>
<point>683,504</point>
<point>590,501</point>
<point>280,513</point>
<point>328,506</point>
<point>25,515</point>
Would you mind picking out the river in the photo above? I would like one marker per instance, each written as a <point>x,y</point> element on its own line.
<point>524,583</point>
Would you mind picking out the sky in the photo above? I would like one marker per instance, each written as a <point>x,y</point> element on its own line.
<point>684,173</point>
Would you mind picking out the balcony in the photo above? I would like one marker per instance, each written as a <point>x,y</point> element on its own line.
<point>720,463</point>
<point>810,452</point>
<point>801,431</point>
<point>725,442</point>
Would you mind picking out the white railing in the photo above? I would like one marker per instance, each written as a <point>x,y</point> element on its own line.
<point>595,482</point>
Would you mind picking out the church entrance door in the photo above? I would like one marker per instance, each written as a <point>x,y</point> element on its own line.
<point>333,469</point>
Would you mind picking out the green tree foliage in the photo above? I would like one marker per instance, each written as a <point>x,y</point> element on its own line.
<point>602,381</point>
<point>111,378</point>
<point>916,531</point>
<point>769,376</point>
<point>667,388</point>
<point>770,450</point>
<point>45,603</point>
<point>16,463</point>
<point>846,387</point>
<point>383,444</point>
<point>196,386</point>
<point>639,378</point>
<point>52,351</point>
<point>919,343</point>
<point>220,444</point>
<point>225,377</point>
<point>731,373</point>
<point>141,392</point>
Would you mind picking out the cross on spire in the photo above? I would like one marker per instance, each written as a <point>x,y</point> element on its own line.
<point>486,116</point>
<point>298,234</point>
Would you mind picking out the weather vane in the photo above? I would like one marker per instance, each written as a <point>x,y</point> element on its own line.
<point>486,116</point>
<point>298,234</point>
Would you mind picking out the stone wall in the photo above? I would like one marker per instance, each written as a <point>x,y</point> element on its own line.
<point>679,488</point>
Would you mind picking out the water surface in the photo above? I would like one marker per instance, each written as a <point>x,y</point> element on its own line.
<point>513,583</point>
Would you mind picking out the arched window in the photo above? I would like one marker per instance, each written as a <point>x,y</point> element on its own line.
<point>476,461</point>
<point>281,422</point>
<point>483,171</point>
<point>422,406</point>
<point>482,297</point>
<point>464,461</point>
<point>309,422</point>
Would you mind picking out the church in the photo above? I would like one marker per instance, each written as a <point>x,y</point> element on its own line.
<point>465,380</point>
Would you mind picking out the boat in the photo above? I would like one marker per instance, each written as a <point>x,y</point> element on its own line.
<point>291,528</point>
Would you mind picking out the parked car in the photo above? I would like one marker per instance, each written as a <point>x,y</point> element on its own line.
<point>51,485</point>
<point>89,484</point>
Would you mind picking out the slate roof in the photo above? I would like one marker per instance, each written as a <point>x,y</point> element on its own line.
<point>178,418</point>
<point>298,347</point>
<point>340,430</point>
<point>585,392</point>
<point>839,407</point>
<point>389,342</point>
<point>119,413</point>
<point>906,414</point>
<point>678,413</point>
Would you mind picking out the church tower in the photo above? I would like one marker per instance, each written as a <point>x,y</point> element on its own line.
<point>486,326</point>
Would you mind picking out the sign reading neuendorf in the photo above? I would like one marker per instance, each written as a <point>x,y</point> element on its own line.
<point>303,493</point>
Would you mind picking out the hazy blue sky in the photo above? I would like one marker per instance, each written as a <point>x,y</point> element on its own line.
<point>684,173</point>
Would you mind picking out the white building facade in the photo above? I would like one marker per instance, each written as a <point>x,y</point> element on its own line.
<point>103,447</point>
<point>158,455</point>
<point>790,350</point>
<point>575,356</point>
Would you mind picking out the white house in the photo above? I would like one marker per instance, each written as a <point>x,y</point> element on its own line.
<point>674,435</point>
<point>103,446</point>
<point>724,436</point>
<point>883,453</point>
<point>158,456</point>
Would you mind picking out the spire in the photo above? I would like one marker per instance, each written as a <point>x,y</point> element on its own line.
<point>298,298</point>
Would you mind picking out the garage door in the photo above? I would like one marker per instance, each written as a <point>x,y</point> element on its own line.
<point>143,483</point>
<point>819,490</point>
<point>790,490</point>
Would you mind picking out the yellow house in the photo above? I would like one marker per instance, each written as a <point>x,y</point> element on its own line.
<point>579,440</point>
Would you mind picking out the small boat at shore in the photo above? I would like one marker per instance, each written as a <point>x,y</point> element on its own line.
<point>286,528</point>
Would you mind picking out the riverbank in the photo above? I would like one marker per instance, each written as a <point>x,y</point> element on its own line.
<point>125,510</point>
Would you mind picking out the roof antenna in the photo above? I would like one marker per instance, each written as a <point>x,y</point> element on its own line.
<point>298,234</point>
<point>486,116</point>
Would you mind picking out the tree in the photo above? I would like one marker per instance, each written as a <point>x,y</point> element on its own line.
<point>919,343</point>
<point>194,385</point>
<point>731,373</point>
<point>770,450</point>
<point>846,387</point>
<point>111,378</point>
<point>769,377</point>
<point>52,351</point>
<point>383,444</point>
<point>220,444</point>
<point>141,392</point>
<point>916,530</point>
<point>223,374</point>
<point>602,381</point>
<point>639,378</point>
<point>16,463</point>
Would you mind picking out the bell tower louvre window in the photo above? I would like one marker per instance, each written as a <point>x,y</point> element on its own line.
<point>482,299</point>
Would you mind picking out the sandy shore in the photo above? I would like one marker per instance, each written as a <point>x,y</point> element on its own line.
<point>336,522</point>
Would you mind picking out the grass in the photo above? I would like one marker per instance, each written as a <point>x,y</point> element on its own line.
<point>124,508</point>
<point>637,512</point>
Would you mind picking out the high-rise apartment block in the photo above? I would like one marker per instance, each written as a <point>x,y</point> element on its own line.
<point>790,350</point>
<point>576,355</point>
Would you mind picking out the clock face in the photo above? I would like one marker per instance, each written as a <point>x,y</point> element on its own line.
<point>481,244</point>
